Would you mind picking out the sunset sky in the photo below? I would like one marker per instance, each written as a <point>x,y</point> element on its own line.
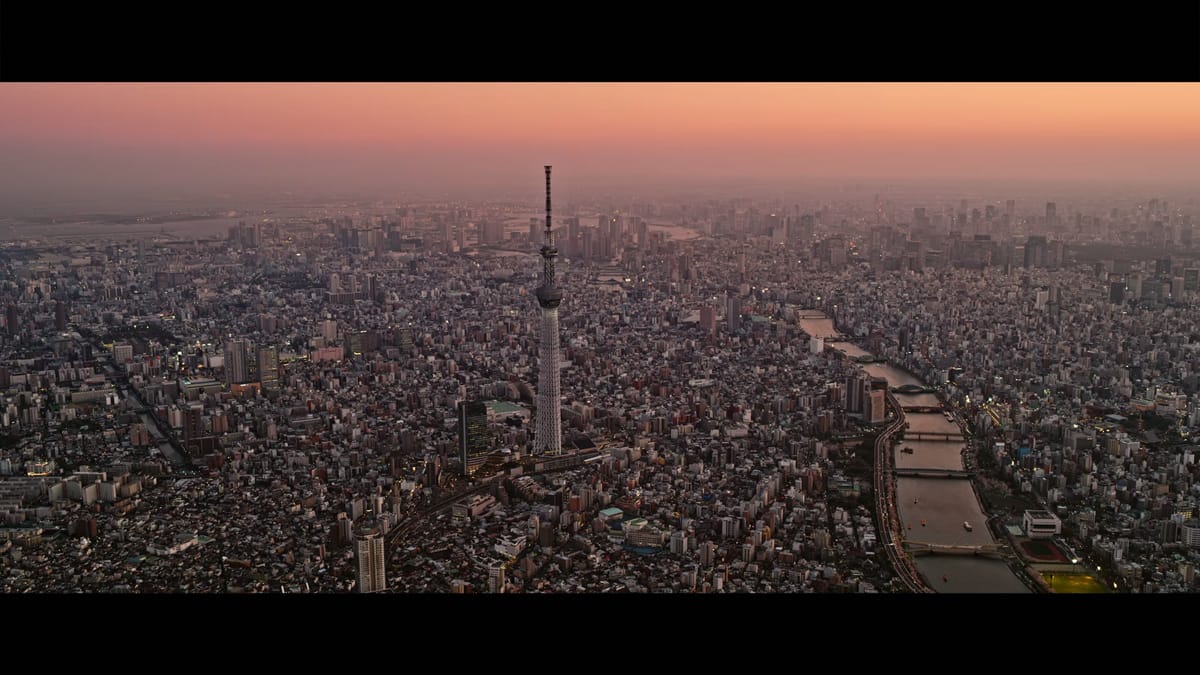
<point>71,139</point>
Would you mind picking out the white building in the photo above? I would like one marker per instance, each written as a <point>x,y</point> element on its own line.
<point>511,547</point>
<point>1040,524</point>
<point>1190,533</point>
<point>496,582</point>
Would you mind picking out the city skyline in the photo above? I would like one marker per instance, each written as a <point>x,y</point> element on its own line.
<point>900,393</point>
<point>328,339</point>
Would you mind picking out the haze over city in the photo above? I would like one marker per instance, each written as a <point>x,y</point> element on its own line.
<point>115,144</point>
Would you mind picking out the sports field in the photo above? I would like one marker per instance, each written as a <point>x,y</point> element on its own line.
<point>1043,551</point>
<point>1074,583</point>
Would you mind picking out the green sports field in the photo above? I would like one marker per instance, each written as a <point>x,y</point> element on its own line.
<point>1074,583</point>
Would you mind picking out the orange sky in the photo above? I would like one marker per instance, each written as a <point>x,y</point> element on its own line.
<point>778,130</point>
<point>591,113</point>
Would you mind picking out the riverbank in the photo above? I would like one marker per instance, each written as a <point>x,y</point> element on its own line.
<point>932,511</point>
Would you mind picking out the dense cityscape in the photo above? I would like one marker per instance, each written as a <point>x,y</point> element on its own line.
<point>511,338</point>
<point>871,393</point>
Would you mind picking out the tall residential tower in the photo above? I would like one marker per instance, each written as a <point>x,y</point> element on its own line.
<point>369,554</point>
<point>548,436</point>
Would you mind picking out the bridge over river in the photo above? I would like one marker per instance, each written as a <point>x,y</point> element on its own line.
<point>917,548</point>
<point>932,473</point>
<point>933,436</point>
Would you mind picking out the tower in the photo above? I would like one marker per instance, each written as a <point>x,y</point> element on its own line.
<point>473,438</point>
<point>548,438</point>
<point>369,551</point>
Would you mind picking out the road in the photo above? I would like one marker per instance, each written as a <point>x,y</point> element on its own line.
<point>885,506</point>
<point>407,525</point>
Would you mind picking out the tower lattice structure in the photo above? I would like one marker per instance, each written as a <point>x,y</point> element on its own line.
<point>548,434</point>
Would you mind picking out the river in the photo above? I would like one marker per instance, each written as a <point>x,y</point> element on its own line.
<point>932,510</point>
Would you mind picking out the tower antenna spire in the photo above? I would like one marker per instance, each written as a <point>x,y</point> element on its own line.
<point>549,234</point>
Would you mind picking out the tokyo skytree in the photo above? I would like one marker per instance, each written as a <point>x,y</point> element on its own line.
<point>548,435</point>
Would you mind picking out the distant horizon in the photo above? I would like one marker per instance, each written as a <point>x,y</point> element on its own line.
<point>830,188</point>
<point>139,143</point>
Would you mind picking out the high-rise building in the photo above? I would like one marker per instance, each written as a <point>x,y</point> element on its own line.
<point>474,441</point>
<point>708,319</point>
<point>1051,214</point>
<point>12,319</point>
<point>193,429</point>
<point>267,323</point>
<point>369,553</point>
<point>496,578</point>
<point>237,361</point>
<point>1056,254</point>
<point>857,387</point>
<point>404,338</point>
<point>268,367</point>
<point>122,352</point>
<point>329,330</point>
<point>548,437</point>
<point>60,315</point>
<point>877,411</point>
<point>733,312</point>
<point>1035,251</point>
<point>837,252</point>
<point>1191,279</point>
<point>1133,285</point>
<point>573,236</point>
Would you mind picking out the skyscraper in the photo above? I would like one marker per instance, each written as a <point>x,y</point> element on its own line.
<point>856,387</point>
<point>268,367</point>
<point>1035,251</point>
<point>473,440</point>
<point>708,318</point>
<point>733,311</point>
<point>549,420</point>
<point>237,362</point>
<point>193,419</point>
<point>877,410</point>
<point>60,315</point>
<point>368,551</point>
